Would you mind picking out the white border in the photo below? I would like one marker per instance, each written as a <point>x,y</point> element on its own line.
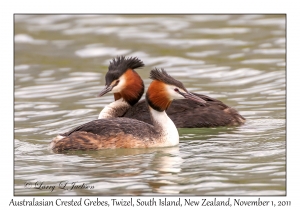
<point>213,6</point>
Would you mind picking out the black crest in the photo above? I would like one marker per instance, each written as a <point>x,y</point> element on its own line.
<point>163,76</point>
<point>119,65</point>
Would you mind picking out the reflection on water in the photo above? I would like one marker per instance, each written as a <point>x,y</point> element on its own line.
<point>60,63</point>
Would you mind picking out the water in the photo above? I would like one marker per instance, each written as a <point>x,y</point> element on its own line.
<point>60,63</point>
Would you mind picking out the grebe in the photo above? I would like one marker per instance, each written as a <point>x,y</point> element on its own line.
<point>131,133</point>
<point>125,83</point>
<point>128,88</point>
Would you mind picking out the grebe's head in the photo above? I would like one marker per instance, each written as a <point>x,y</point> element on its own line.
<point>123,81</point>
<point>164,88</point>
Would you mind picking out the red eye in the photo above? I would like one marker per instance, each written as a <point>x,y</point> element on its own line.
<point>176,89</point>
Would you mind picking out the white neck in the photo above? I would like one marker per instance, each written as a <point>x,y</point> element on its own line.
<point>114,109</point>
<point>162,122</point>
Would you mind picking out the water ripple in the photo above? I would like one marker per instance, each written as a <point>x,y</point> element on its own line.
<point>95,52</point>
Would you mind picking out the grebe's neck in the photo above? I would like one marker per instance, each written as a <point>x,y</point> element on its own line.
<point>114,109</point>
<point>165,126</point>
<point>133,88</point>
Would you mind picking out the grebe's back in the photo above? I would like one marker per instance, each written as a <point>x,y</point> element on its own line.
<point>188,114</point>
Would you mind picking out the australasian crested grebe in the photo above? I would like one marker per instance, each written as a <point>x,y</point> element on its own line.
<point>131,133</point>
<point>128,87</point>
<point>125,83</point>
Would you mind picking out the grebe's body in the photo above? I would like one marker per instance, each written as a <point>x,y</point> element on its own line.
<point>189,114</point>
<point>131,133</point>
<point>119,133</point>
<point>184,113</point>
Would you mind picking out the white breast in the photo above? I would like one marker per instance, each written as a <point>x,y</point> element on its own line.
<point>170,136</point>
